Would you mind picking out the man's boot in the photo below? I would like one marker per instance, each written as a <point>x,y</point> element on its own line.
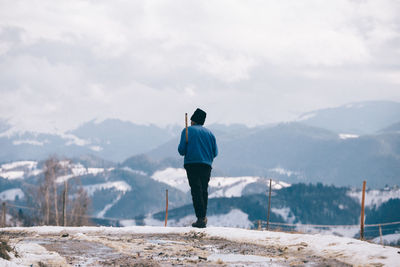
<point>200,223</point>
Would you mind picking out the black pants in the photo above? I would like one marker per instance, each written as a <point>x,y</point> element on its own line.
<point>199,175</point>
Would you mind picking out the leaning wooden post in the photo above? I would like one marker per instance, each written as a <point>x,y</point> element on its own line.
<point>269,202</point>
<point>166,207</point>
<point>362,211</point>
<point>65,194</point>
<point>186,128</point>
<point>3,215</point>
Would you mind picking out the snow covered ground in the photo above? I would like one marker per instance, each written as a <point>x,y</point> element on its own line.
<point>189,246</point>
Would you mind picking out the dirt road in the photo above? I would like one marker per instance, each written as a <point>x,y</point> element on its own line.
<point>193,248</point>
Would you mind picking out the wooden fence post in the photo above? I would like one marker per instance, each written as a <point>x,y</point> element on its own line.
<point>380,234</point>
<point>166,207</point>
<point>362,211</point>
<point>65,194</point>
<point>269,202</point>
<point>3,215</point>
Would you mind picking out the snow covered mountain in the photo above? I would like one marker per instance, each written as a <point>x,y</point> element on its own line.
<point>295,152</point>
<point>111,139</point>
<point>355,118</point>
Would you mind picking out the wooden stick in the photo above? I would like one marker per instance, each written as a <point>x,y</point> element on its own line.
<point>186,123</point>
<point>166,207</point>
<point>380,234</point>
<point>362,212</point>
<point>269,202</point>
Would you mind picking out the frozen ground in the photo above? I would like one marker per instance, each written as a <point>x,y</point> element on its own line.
<point>185,246</point>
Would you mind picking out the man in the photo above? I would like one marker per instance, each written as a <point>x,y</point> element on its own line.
<point>199,151</point>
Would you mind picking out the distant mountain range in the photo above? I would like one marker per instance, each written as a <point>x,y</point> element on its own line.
<point>123,195</point>
<point>296,152</point>
<point>112,139</point>
<point>341,146</point>
<point>356,118</point>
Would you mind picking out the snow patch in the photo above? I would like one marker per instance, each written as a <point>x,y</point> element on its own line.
<point>125,223</point>
<point>230,186</point>
<point>134,171</point>
<point>348,136</point>
<point>375,197</point>
<point>80,170</point>
<point>11,175</point>
<point>28,142</point>
<point>307,116</point>
<point>283,171</point>
<point>392,239</point>
<point>117,185</point>
<point>74,140</point>
<point>235,218</point>
<point>344,231</point>
<point>30,254</point>
<point>19,164</point>
<point>175,177</point>
<point>149,220</point>
<point>6,263</point>
<point>95,171</point>
<point>109,206</point>
<point>11,194</point>
<point>96,148</point>
<point>18,169</point>
<point>239,258</point>
<point>285,213</point>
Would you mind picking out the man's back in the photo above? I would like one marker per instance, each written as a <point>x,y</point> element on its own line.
<point>201,146</point>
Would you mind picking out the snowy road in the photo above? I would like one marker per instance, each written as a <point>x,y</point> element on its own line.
<point>159,246</point>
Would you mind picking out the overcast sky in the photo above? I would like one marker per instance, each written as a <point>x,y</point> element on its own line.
<point>66,62</point>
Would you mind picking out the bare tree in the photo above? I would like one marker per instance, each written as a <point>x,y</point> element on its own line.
<point>80,207</point>
<point>72,204</point>
<point>52,169</point>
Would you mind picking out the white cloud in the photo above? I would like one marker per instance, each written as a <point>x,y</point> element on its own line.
<point>79,60</point>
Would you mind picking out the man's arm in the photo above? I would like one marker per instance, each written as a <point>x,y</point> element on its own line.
<point>215,147</point>
<point>182,144</point>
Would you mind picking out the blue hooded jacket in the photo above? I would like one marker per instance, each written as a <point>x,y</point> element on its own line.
<point>201,146</point>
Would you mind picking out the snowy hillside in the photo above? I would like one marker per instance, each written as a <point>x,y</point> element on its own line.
<point>24,169</point>
<point>19,169</point>
<point>375,198</point>
<point>150,246</point>
<point>218,186</point>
